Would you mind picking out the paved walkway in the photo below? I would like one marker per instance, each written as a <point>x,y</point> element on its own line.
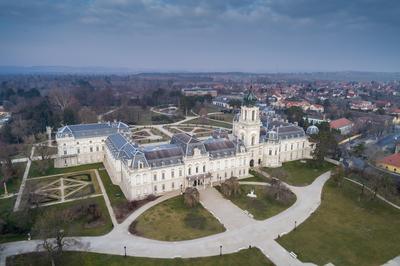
<point>23,182</point>
<point>228,214</point>
<point>255,233</point>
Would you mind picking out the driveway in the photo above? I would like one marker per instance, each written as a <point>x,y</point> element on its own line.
<point>241,233</point>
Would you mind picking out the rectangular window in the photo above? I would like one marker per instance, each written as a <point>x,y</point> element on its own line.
<point>173,185</point>
<point>97,148</point>
<point>65,152</point>
<point>155,188</point>
<point>163,175</point>
<point>172,174</point>
<point>91,149</point>
<point>163,187</point>
<point>79,151</point>
<point>180,172</point>
<point>155,177</point>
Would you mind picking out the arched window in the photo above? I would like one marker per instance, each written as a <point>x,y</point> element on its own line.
<point>253,115</point>
<point>253,139</point>
<point>189,171</point>
<point>204,168</point>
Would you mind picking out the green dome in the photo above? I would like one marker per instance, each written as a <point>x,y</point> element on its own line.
<point>249,98</point>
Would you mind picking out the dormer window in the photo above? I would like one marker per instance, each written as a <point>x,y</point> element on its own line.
<point>140,164</point>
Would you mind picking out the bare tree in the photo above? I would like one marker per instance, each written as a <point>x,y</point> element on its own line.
<point>45,154</point>
<point>279,191</point>
<point>338,175</point>
<point>52,227</point>
<point>191,197</point>
<point>7,168</point>
<point>231,187</point>
<point>87,115</point>
<point>62,99</point>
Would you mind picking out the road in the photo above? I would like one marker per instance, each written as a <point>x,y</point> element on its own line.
<point>261,234</point>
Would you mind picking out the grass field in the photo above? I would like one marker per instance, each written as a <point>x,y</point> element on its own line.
<point>34,171</point>
<point>262,207</point>
<point>346,231</point>
<point>256,177</point>
<point>78,226</point>
<point>222,117</point>
<point>251,256</point>
<point>6,207</point>
<point>14,183</point>
<point>114,192</point>
<point>297,173</point>
<point>204,121</point>
<point>171,220</point>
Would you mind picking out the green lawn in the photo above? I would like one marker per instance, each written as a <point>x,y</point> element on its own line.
<point>34,171</point>
<point>228,117</point>
<point>297,173</point>
<point>262,207</point>
<point>80,226</point>
<point>256,177</point>
<point>251,256</point>
<point>14,183</point>
<point>6,208</point>
<point>171,220</point>
<point>114,192</point>
<point>346,231</point>
<point>205,121</point>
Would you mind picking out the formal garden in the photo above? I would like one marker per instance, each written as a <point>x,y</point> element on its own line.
<point>261,201</point>
<point>59,188</point>
<point>175,219</point>
<point>300,172</point>
<point>251,256</point>
<point>207,122</point>
<point>69,195</point>
<point>46,168</point>
<point>351,227</point>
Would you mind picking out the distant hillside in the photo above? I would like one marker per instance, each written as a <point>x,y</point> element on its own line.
<point>338,75</point>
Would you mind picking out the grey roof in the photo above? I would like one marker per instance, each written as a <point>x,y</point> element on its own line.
<point>220,147</point>
<point>92,130</point>
<point>164,155</point>
<point>188,143</point>
<point>290,131</point>
<point>122,149</point>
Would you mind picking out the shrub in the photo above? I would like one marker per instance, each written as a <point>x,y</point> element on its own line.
<point>231,187</point>
<point>191,197</point>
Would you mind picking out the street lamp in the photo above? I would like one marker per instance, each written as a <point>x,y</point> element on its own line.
<point>295,225</point>
<point>220,250</point>
<point>125,251</point>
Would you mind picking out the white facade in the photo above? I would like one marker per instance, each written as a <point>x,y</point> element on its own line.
<point>186,161</point>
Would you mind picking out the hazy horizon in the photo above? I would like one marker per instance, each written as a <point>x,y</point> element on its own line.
<point>275,36</point>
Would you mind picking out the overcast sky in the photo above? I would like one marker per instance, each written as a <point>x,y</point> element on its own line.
<point>203,35</point>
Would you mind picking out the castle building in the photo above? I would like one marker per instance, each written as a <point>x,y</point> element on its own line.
<point>185,161</point>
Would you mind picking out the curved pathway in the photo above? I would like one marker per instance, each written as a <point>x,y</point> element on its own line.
<point>255,233</point>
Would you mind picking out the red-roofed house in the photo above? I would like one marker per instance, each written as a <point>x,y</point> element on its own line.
<point>344,125</point>
<point>390,163</point>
